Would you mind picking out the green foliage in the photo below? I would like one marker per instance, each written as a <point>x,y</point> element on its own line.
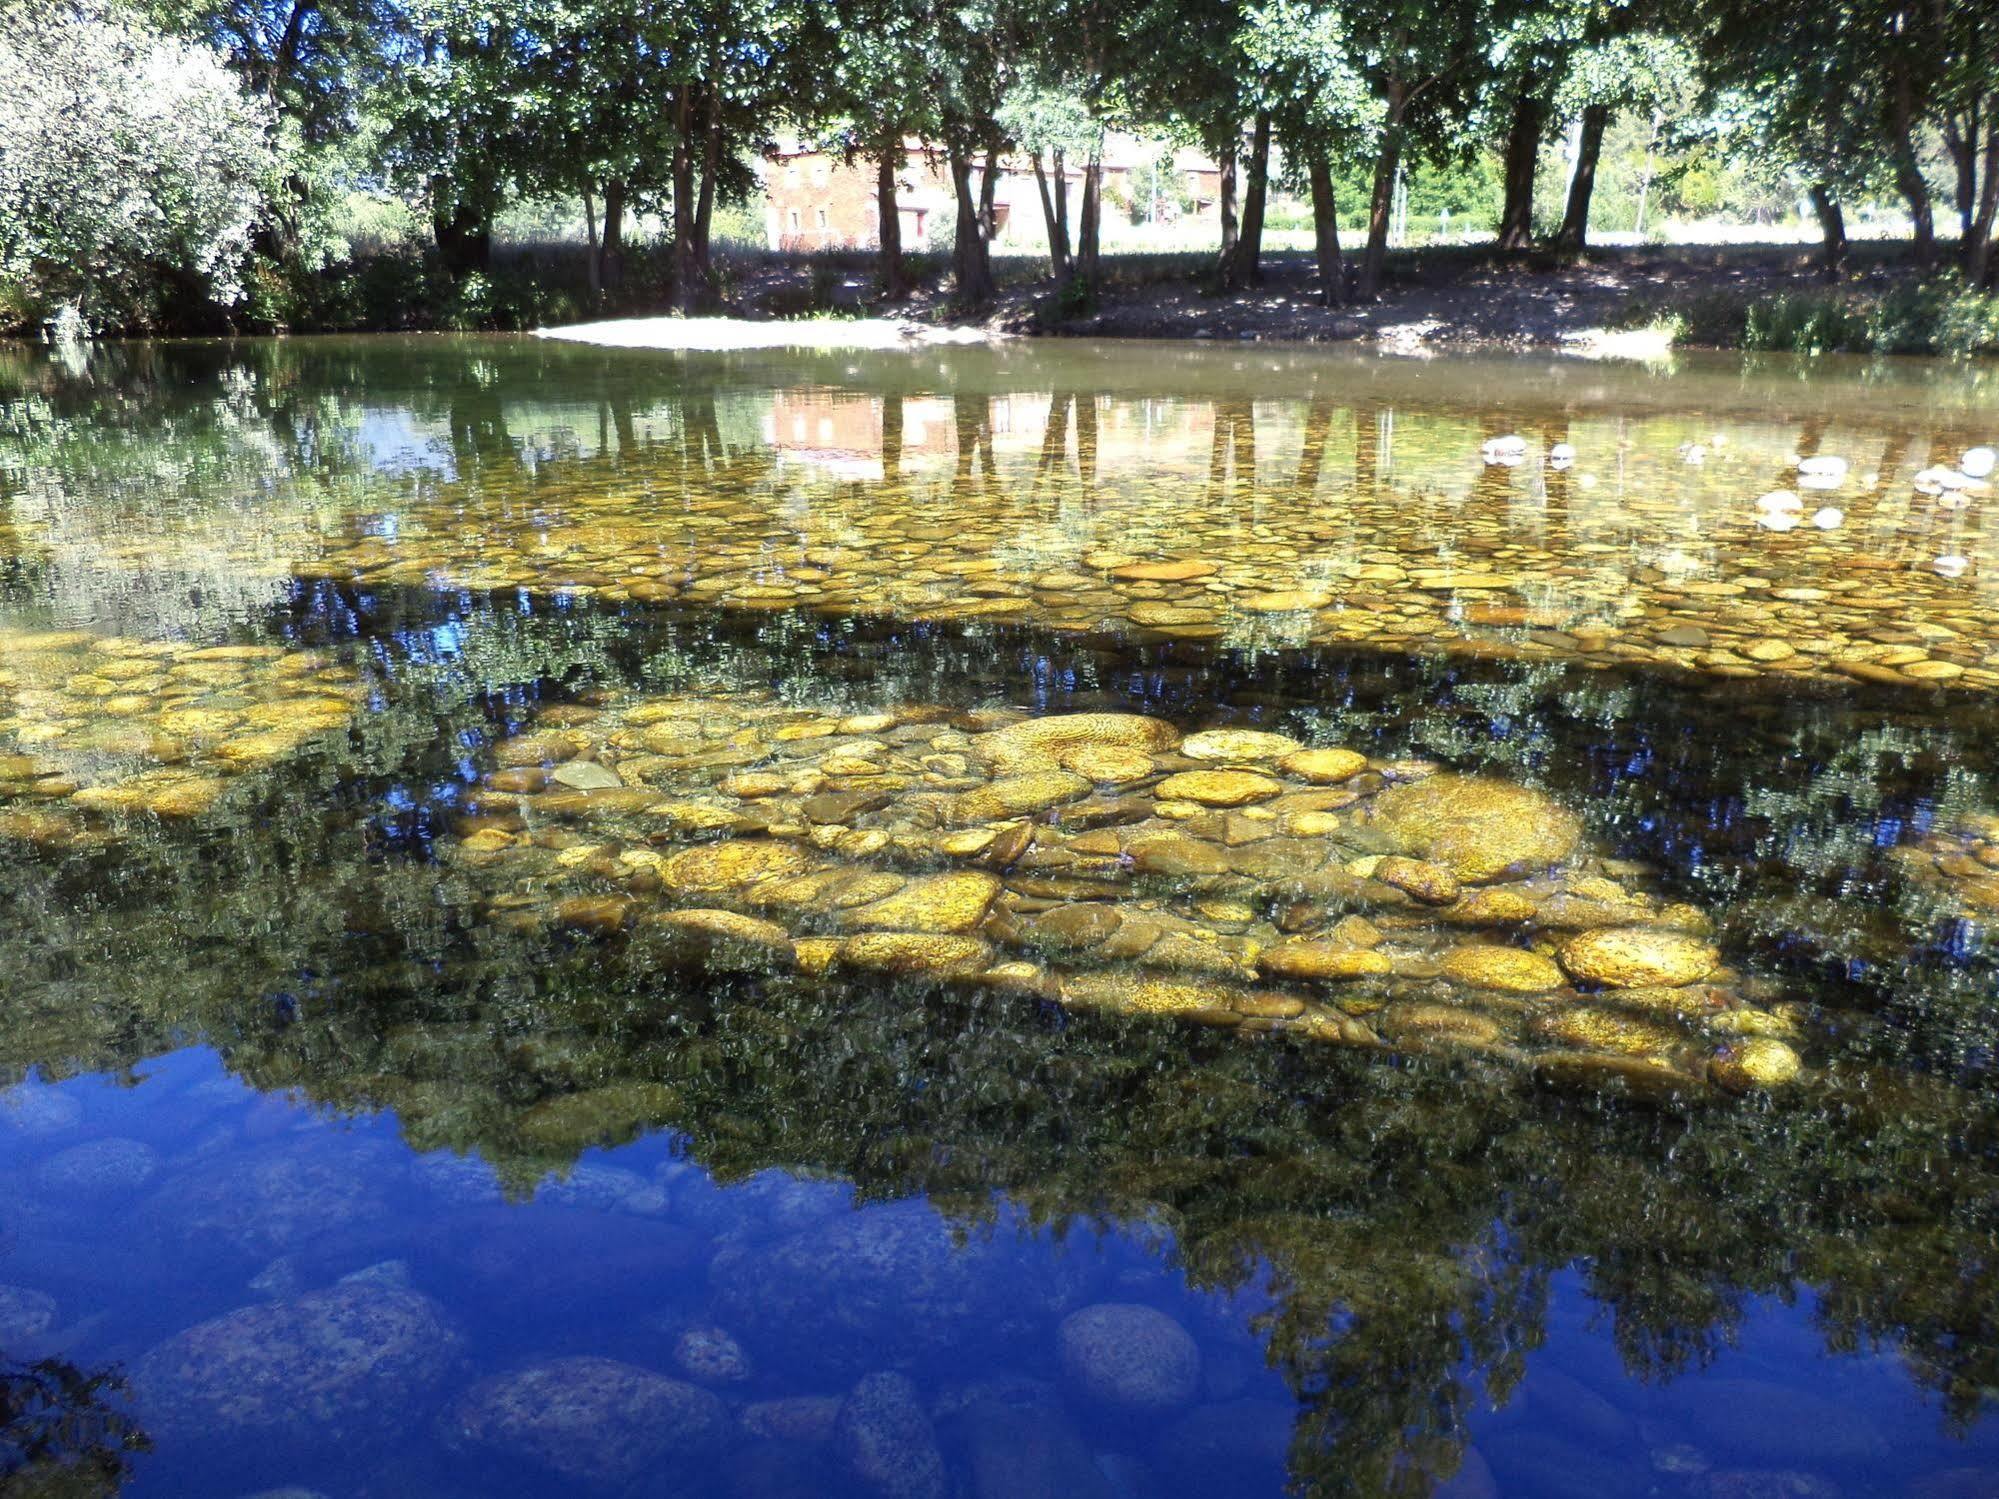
<point>132,166</point>
<point>1941,316</point>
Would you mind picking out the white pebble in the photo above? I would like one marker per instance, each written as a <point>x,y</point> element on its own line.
<point>1505,452</point>
<point>1777,520</point>
<point>1561,455</point>
<point>1951,565</point>
<point>1587,481</point>
<point>1829,519</point>
<point>1779,499</point>
<point>1694,453</point>
<point>1979,462</point>
<point>1823,464</point>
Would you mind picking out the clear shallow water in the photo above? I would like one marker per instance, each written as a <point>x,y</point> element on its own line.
<point>305,1032</point>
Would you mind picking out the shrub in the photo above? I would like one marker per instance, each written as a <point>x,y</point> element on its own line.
<point>133,169</point>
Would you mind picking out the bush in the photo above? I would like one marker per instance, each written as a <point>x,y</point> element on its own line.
<point>1939,316</point>
<point>134,166</point>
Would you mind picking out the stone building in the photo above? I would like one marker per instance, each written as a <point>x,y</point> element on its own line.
<point>817,200</point>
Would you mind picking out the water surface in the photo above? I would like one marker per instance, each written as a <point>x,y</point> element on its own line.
<point>382,1123</point>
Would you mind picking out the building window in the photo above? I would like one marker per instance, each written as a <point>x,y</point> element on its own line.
<point>822,220</point>
<point>792,217</point>
<point>818,174</point>
<point>791,175</point>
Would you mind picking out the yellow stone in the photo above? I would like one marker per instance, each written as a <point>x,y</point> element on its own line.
<point>733,863</point>
<point>1510,970</point>
<point>1019,795</point>
<point>1236,744</point>
<point>1323,767</point>
<point>1219,788</point>
<point>1756,1062</point>
<point>815,955</point>
<point>1165,572</point>
<point>1285,601</point>
<point>1601,1028</point>
<point>1133,993</point>
<point>955,902</point>
<point>1323,962</point>
<point>1036,743</point>
<point>198,722</point>
<point>913,953</point>
<point>1637,957</point>
<point>1108,765</point>
<point>1480,828</point>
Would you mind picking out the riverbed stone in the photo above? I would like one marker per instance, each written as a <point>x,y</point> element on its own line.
<point>954,902</point>
<point>885,1437</point>
<point>1478,827</point>
<point>1237,745</point>
<point>1754,1062</point>
<point>1040,742</point>
<point>914,953</point>
<point>588,1418</point>
<point>1020,795</point>
<point>1129,1357</point>
<point>350,1364</point>
<point>1323,962</point>
<point>1636,957</point>
<point>1219,788</point>
<point>1432,884</point>
<point>99,1168</point>
<point>25,1313</point>
<point>1509,970</point>
<point>709,1355</point>
<point>732,864</point>
<point>1323,767</point>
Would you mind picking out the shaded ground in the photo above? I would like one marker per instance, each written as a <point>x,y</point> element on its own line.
<point>1443,297</point>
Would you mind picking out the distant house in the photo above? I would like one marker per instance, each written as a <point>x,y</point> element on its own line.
<point>817,200</point>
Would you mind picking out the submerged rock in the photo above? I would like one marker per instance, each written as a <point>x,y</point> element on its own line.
<point>351,1364</point>
<point>1133,1358</point>
<point>1754,1062</point>
<point>24,1314</point>
<point>100,1168</point>
<point>886,1439</point>
<point>1480,828</point>
<point>1637,957</point>
<point>588,1418</point>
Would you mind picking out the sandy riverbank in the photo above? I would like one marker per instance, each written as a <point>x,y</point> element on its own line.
<point>711,333</point>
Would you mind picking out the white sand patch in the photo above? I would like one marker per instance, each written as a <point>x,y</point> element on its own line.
<point>739,333</point>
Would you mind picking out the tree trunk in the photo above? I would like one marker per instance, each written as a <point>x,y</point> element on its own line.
<point>1240,263</point>
<point>1962,131</point>
<point>1225,162</point>
<point>1832,223</point>
<point>1573,236</point>
<point>611,244</point>
<point>1326,233</point>
<point>704,211</point>
<point>1058,231</point>
<point>1981,263</point>
<point>464,240</point>
<point>988,193</point>
<point>1909,179</point>
<point>971,260</point>
<point>1381,201</point>
<point>590,229</point>
<point>888,164</point>
<point>686,272</point>
<point>1523,155</point>
<point>1090,227</point>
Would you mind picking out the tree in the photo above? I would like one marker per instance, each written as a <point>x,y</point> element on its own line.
<point>1425,64</point>
<point>132,165</point>
<point>1610,71</point>
<point>1321,106</point>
